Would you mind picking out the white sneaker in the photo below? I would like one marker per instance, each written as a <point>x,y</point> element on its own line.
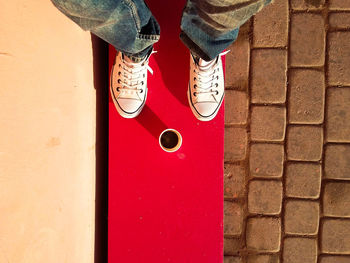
<point>206,87</point>
<point>128,84</point>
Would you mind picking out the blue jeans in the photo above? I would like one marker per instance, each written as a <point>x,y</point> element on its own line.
<point>207,26</point>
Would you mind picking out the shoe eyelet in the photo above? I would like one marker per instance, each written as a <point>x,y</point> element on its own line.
<point>194,79</point>
<point>217,77</point>
<point>141,91</point>
<point>216,85</point>
<point>119,73</point>
<point>118,81</point>
<point>118,89</point>
<point>217,93</point>
<point>142,83</point>
<point>195,86</point>
<point>195,94</point>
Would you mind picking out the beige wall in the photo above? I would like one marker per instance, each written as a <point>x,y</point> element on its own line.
<point>47,136</point>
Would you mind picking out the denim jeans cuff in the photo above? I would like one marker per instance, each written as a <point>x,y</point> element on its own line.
<point>193,47</point>
<point>138,57</point>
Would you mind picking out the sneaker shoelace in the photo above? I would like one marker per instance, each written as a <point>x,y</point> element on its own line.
<point>206,77</point>
<point>131,75</point>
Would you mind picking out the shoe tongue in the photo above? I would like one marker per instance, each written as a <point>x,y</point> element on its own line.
<point>131,63</point>
<point>205,64</point>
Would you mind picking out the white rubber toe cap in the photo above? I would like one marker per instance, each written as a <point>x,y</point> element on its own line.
<point>206,109</point>
<point>129,106</point>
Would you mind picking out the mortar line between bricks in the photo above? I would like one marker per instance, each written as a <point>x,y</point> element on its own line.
<point>236,88</point>
<point>326,67</point>
<point>316,68</point>
<point>336,143</point>
<point>304,161</point>
<point>306,199</point>
<point>267,48</point>
<point>250,215</point>
<point>311,236</point>
<point>247,166</point>
<point>241,162</point>
<point>265,179</point>
<point>306,125</point>
<point>286,136</point>
<point>338,86</point>
<point>265,141</point>
<point>235,236</point>
<point>341,218</point>
<point>335,254</point>
<point>260,252</point>
<point>338,11</point>
<point>339,30</point>
<point>237,200</point>
<point>307,11</point>
<point>335,10</point>
<point>228,125</point>
<point>276,105</point>
<point>334,180</point>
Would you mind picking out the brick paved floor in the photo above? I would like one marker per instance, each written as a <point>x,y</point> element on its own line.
<point>287,140</point>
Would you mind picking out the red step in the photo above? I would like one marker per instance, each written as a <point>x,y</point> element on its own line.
<point>165,207</point>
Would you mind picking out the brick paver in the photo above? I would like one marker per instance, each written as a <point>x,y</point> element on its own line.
<point>238,61</point>
<point>336,199</point>
<point>307,96</point>
<point>232,246</point>
<point>269,76</point>
<point>266,160</point>
<point>236,105</point>
<point>338,115</point>
<point>287,145</point>
<point>267,34</point>
<point>339,4</point>
<point>268,123</point>
<point>338,60</point>
<point>337,162</point>
<point>300,250</point>
<point>307,5</point>
<point>304,143</point>
<point>263,234</point>
<point>234,181</point>
<point>236,142</point>
<point>336,236</point>
<point>233,218</point>
<point>335,259</point>
<point>232,260</point>
<point>307,40</point>
<point>301,217</point>
<point>263,259</point>
<point>303,180</point>
<point>265,197</point>
<point>339,20</point>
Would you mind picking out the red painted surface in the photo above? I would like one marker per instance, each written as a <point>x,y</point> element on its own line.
<point>165,207</point>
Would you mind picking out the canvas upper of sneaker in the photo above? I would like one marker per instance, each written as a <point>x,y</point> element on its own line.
<point>206,87</point>
<point>129,84</point>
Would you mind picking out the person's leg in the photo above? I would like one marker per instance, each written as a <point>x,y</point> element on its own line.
<point>128,25</point>
<point>207,28</point>
<point>210,26</point>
